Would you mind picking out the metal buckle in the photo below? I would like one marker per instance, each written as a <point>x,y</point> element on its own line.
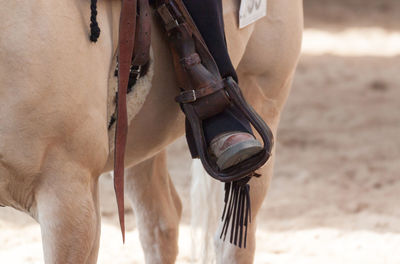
<point>189,96</point>
<point>136,71</point>
<point>169,20</point>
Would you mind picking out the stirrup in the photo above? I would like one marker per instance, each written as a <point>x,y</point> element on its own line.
<point>245,168</point>
<point>237,210</point>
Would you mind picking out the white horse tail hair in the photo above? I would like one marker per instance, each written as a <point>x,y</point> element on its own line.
<point>206,205</point>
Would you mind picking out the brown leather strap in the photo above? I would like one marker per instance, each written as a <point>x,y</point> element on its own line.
<point>190,61</point>
<point>195,68</point>
<point>141,53</point>
<point>192,96</point>
<point>180,15</point>
<point>126,45</point>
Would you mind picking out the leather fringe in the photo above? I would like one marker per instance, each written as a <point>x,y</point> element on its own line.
<point>237,212</point>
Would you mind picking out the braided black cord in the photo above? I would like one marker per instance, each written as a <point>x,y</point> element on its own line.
<point>94,26</point>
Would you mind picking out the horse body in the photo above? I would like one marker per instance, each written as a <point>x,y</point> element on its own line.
<point>53,116</point>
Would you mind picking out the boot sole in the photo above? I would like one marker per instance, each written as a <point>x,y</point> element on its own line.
<point>238,153</point>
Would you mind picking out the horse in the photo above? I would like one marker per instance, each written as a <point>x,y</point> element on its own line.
<point>53,115</point>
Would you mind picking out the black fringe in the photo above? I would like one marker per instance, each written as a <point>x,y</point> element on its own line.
<point>237,212</point>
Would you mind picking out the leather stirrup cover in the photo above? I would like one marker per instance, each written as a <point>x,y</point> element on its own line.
<point>245,168</point>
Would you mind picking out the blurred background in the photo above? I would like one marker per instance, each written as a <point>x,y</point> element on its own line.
<point>335,196</point>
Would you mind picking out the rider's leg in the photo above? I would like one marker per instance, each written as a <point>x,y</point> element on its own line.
<point>223,127</point>
<point>208,16</point>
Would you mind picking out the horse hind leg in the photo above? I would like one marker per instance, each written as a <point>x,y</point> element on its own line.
<point>157,208</point>
<point>68,213</point>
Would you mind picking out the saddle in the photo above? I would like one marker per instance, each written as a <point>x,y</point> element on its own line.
<point>203,94</point>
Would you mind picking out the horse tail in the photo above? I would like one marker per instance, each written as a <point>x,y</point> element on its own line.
<point>206,205</point>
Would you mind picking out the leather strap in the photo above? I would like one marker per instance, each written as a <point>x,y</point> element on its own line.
<point>195,68</point>
<point>190,61</point>
<point>141,52</point>
<point>126,44</point>
<point>192,96</point>
<point>182,16</point>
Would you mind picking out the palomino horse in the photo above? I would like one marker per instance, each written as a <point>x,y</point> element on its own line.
<point>53,132</point>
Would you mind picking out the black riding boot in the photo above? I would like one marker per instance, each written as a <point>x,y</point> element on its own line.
<point>208,16</point>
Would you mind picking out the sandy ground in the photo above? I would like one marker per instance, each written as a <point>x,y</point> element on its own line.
<point>335,194</point>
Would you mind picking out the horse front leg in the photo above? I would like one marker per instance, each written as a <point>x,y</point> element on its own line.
<point>157,208</point>
<point>265,72</point>
<point>69,217</point>
<point>270,111</point>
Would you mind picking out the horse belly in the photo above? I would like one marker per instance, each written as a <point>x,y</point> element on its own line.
<point>52,95</point>
<point>160,120</point>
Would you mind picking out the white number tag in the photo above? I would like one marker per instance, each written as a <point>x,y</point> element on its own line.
<point>251,11</point>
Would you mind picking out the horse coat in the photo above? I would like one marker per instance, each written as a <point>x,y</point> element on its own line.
<point>53,120</point>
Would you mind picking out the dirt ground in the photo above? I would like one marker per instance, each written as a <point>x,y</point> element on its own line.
<point>335,197</point>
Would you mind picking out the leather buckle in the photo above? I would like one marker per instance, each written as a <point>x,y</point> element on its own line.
<point>169,20</point>
<point>187,97</point>
<point>136,71</point>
